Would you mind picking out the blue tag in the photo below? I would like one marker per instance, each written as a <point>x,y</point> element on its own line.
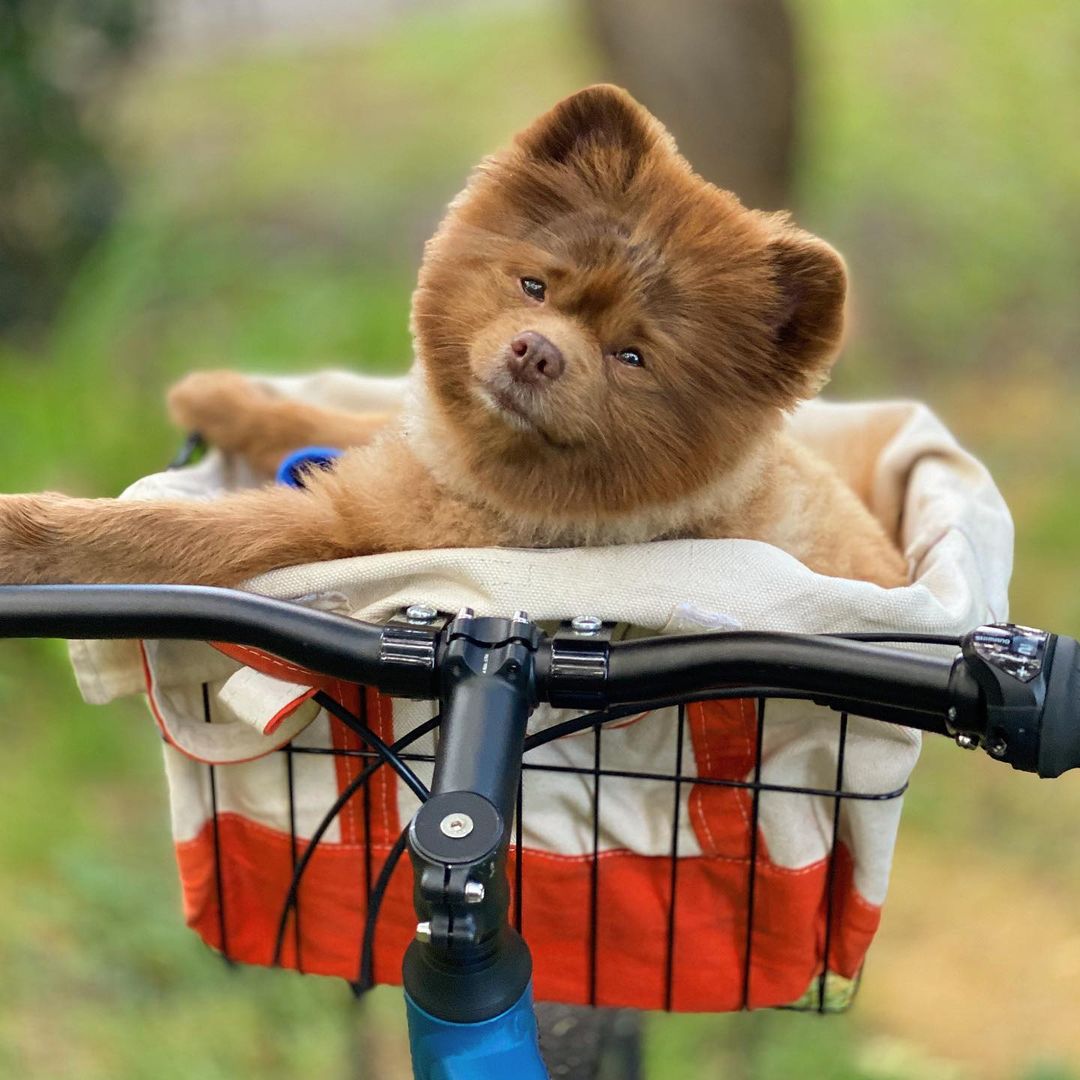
<point>292,469</point>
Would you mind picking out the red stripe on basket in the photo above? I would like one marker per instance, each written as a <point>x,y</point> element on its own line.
<point>634,898</point>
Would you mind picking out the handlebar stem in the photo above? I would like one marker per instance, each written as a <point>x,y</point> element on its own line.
<point>467,965</point>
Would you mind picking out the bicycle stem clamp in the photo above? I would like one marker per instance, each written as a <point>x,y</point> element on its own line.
<point>579,663</point>
<point>408,650</point>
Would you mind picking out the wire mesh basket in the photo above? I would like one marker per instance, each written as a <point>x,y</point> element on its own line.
<point>705,916</point>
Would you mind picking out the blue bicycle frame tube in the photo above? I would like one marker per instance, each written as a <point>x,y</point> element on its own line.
<point>505,1047</point>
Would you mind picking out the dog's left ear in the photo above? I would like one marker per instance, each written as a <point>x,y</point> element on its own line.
<point>600,120</point>
<point>811,286</point>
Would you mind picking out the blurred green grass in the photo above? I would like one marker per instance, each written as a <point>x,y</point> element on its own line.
<point>279,202</point>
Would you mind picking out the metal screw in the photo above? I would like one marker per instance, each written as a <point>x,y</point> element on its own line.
<point>456,825</point>
<point>997,748</point>
<point>521,616</point>
<point>966,741</point>
<point>586,624</point>
<point>474,892</point>
<point>421,613</point>
<point>466,613</point>
<point>423,932</point>
<point>952,714</point>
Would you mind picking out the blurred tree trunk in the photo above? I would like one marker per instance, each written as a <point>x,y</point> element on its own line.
<point>721,74</point>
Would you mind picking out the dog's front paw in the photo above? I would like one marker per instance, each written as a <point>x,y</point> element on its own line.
<point>222,406</point>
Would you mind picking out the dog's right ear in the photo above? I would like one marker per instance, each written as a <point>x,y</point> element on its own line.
<point>808,319</point>
<point>599,121</point>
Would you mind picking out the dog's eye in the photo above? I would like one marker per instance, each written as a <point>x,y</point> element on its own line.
<point>534,288</point>
<point>630,357</point>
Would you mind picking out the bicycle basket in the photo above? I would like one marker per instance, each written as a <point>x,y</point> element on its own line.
<point>722,855</point>
<point>712,857</point>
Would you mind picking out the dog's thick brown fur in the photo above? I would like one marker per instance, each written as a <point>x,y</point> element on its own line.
<point>606,346</point>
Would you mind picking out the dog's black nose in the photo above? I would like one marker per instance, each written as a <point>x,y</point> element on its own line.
<point>533,358</point>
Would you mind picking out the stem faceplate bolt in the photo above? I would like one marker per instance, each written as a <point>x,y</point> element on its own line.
<point>474,892</point>
<point>423,932</point>
<point>456,825</point>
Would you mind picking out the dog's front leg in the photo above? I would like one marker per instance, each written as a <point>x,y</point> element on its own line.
<point>51,539</point>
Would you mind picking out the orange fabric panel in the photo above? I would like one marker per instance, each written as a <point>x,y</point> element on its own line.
<point>723,735</point>
<point>257,867</point>
<point>634,896</point>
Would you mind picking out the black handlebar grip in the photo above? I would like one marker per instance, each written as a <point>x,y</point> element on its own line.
<point>1059,742</point>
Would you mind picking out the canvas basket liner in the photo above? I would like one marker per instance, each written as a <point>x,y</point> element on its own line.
<point>249,785</point>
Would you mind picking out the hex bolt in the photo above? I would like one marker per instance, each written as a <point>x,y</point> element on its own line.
<point>474,892</point>
<point>966,741</point>
<point>586,624</point>
<point>521,617</point>
<point>456,825</point>
<point>998,748</point>
<point>421,614</point>
<point>423,932</point>
<point>466,613</point>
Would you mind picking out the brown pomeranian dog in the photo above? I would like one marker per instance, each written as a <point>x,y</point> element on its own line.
<point>606,347</point>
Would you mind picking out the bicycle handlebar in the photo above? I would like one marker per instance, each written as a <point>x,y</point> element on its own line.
<point>1012,690</point>
<point>322,642</point>
<point>844,674</point>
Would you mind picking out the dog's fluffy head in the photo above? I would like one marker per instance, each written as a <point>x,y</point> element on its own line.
<point>601,330</point>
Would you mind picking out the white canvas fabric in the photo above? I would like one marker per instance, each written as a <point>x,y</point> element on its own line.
<point>941,503</point>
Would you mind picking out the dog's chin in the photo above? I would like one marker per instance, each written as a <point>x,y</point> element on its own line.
<point>502,404</point>
<point>515,414</point>
<point>514,410</point>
